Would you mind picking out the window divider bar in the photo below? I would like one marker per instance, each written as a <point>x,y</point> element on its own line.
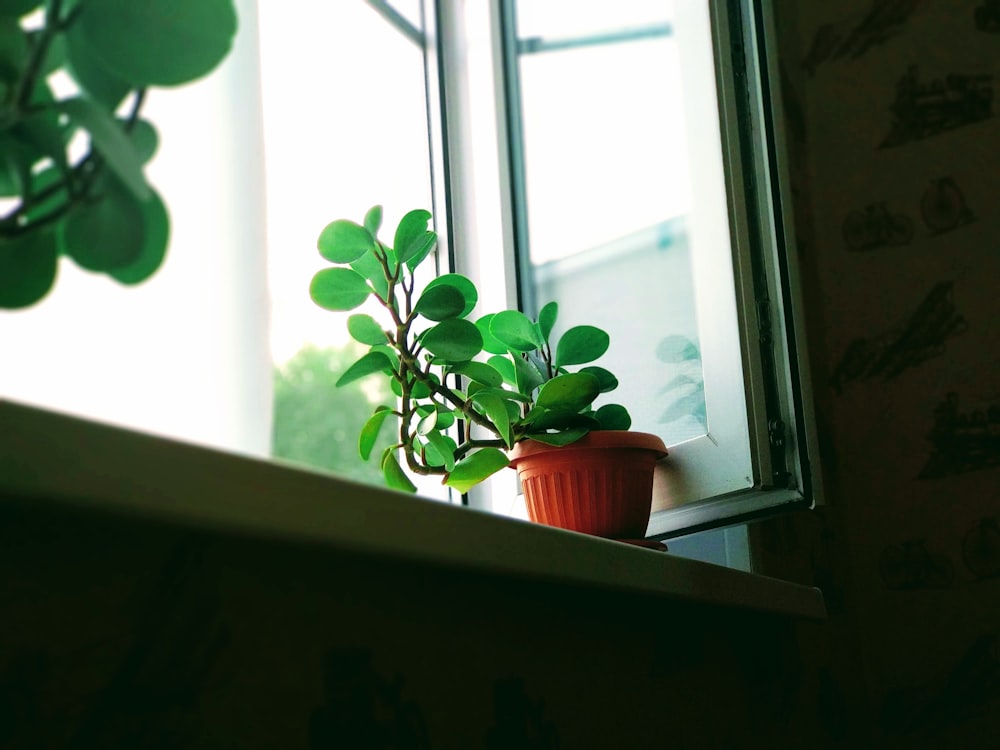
<point>536,44</point>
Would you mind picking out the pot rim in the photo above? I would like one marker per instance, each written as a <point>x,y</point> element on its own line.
<point>622,439</point>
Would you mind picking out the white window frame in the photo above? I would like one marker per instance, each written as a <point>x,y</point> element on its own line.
<point>763,299</point>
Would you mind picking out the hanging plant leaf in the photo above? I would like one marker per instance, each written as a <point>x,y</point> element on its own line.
<point>464,286</point>
<point>17,8</point>
<point>369,364</point>
<point>103,86</point>
<point>110,141</point>
<point>159,42</point>
<point>343,241</point>
<point>453,340</point>
<point>571,392</point>
<point>365,329</point>
<point>373,220</point>
<point>547,319</point>
<point>370,431</point>
<point>155,239</point>
<point>440,303</point>
<point>613,417</point>
<point>515,330</point>
<point>27,268</point>
<point>106,234</point>
<point>338,289</point>
<point>581,344</point>
<point>475,467</point>
<point>394,475</point>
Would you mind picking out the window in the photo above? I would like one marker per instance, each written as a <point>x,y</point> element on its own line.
<point>636,184</point>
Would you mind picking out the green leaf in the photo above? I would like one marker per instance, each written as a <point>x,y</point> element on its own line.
<point>464,286</point>
<point>581,344</point>
<point>480,372</point>
<point>338,289</point>
<point>505,367</point>
<point>369,432</point>
<point>491,343</point>
<point>476,467</point>
<point>410,233</point>
<point>503,394</point>
<point>543,420</point>
<point>441,450</point>
<point>106,234</point>
<point>14,47</point>
<point>571,392</point>
<point>159,43</point>
<point>369,364</point>
<point>27,268</point>
<point>343,241</point>
<point>395,477</point>
<point>418,250</point>
<point>547,319</point>
<point>103,86</point>
<point>144,138</point>
<point>373,220</point>
<point>515,330</point>
<point>495,409</point>
<point>17,8</point>
<point>453,340</point>
<point>427,423</point>
<point>560,439</point>
<point>526,376</point>
<point>110,141</point>
<point>440,303</point>
<point>613,417</point>
<point>155,240</point>
<point>369,267</point>
<point>675,349</point>
<point>390,354</point>
<point>607,382</point>
<point>365,329</point>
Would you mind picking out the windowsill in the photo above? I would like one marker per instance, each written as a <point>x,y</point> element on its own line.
<point>49,456</point>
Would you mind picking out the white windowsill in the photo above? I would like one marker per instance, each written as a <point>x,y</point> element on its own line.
<point>46,455</point>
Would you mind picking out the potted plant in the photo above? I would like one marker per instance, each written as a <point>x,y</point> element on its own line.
<point>512,394</point>
<point>72,156</point>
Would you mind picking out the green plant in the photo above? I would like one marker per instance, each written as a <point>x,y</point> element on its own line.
<point>502,374</point>
<point>95,207</point>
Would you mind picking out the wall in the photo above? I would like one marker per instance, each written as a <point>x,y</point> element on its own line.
<point>893,127</point>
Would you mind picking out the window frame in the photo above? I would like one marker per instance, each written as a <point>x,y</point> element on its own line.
<point>766,280</point>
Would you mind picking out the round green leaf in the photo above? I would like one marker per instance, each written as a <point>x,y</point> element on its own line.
<point>476,467</point>
<point>369,267</point>
<point>343,241</point>
<point>613,417</point>
<point>159,42</point>
<point>581,344</point>
<point>505,367</point>
<point>570,392</point>
<point>427,423</point>
<point>338,289</point>
<point>480,372</point>
<point>27,268</point>
<point>440,303</point>
<point>106,234</point>
<point>155,239</point>
<point>440,450</point>
<point>453,340</point>
<point>103,86</point>
<point>547,319</point>
<point>515,330</point>
<point>410,233</point>
<point>369,364</point>
<point>464,285</point>
<point>144,138</point>
<point>560,439</point>
<point>491,343</point>
<point>365,328</point>
<point>496,410</point>
<point>605,378</point>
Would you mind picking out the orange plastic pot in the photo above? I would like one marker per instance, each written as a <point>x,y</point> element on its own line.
<point>602,484</point>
